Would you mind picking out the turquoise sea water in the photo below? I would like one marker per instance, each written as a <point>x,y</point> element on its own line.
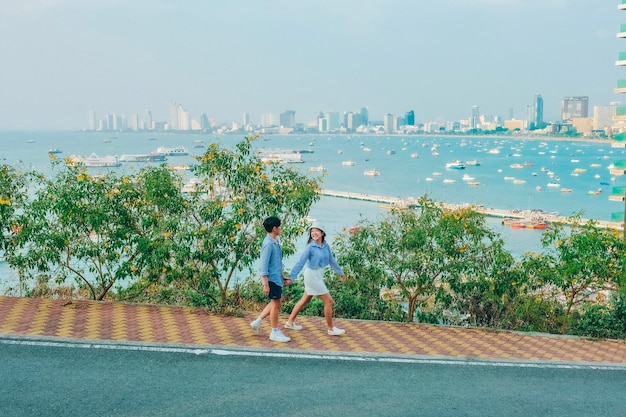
<point>579,166</point>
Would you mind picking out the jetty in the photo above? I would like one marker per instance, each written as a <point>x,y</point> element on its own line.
<point>413,202</point>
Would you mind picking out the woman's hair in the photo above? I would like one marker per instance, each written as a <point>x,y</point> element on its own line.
<point>311,239</point>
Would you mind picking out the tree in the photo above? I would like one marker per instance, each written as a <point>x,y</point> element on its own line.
<point>13,195</point>
<point>221,229</point>
<point>580,262</point>
<point>99,230</point>
<point>417,254</point>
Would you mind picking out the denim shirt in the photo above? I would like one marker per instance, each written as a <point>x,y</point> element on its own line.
<point>317,257</point>
<point>271,262</point>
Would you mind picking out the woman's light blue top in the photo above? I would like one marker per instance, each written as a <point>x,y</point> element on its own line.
<point>317,257</point>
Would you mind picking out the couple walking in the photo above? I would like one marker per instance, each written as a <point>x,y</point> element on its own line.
<point>314,260</point>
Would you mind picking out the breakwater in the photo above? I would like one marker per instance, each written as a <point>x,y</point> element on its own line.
<point>409,202</point>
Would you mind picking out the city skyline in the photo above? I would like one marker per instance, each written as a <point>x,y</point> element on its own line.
<point>223,59</point>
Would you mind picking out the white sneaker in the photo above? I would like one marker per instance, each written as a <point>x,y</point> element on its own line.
<point>336,331</point>
<point>293,326</point>
<point>256,326</point>
<point>278,336</point>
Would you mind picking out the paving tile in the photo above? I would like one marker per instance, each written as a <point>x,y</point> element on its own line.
<point>92,320</point>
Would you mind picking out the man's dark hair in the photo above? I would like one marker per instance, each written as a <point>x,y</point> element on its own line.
<point>271,222</point>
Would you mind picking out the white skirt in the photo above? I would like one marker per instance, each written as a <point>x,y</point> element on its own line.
<point>314,281</point>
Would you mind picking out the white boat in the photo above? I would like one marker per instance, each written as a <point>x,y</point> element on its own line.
<point>94,160</point>
<point>519,182</point>
<point>281,156</point>
<point>456,164</point>
<point>467,177</point>
<point>176,151</point>
<point>349,162</point>
<point>55,150</point>
<point>143,158</point>
<point>554,184</point>
<point>494,151</point>
<point>449,181</point>
<point>371,173</point>
<point>414,155</point>
<point>472,163</point>
<point>319,168</point>
<point>391,152</point>
<point>366,149</point>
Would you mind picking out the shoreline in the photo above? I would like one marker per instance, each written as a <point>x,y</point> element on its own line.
<point>402,203</point>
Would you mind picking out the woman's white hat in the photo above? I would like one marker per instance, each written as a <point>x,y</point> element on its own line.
<point>318,225</point>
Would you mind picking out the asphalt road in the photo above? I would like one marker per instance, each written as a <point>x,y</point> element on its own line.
<point>68,379</point>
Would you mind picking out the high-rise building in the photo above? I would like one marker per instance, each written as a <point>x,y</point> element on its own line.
<point>365,120</point>
<point>288,118</point>
<point>148,122</point>
<point>388,123</point>
<point>473,122</point>
<point>603,117</point>
<point>409,118</point>
<point>574,107</point>
<point>535,120</point>
<point>93,121</point>
<point>174,116</point>
<point>246,119</point>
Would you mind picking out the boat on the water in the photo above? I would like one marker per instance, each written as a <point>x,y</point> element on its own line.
<point>176,151</point>
<point>456,164</point>
<point>371,173</point>
<point>143,158</point>
<point>281,156</point>
<point>94,160</point>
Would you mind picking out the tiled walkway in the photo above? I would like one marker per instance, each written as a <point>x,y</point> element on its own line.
<point>106,321</point>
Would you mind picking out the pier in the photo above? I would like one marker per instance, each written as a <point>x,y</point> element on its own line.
<point>412,202</point>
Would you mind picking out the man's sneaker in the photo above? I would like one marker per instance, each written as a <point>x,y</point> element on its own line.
<point>256,326</point>
<point>336,331</point>
<point>279,337</point>
<point>293,326</point>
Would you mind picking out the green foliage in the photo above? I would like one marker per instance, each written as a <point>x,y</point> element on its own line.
<point>532,313</point>
<point>578,263</point>
<point>423,256</point>
<point>221,229</point>
<point>98,230</point>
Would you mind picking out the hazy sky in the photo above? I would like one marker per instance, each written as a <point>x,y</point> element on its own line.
<point>61,58</point>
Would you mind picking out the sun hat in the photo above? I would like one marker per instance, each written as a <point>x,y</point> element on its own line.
<point>317,225</point>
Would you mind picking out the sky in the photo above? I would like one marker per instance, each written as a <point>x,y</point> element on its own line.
<point>62,58</point>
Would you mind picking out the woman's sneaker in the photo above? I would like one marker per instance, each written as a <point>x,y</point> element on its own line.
<point>293,326</point>
<point>278,336</point>
<point>336,331</point>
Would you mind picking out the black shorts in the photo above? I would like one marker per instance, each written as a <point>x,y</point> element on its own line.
<point>276,291</point>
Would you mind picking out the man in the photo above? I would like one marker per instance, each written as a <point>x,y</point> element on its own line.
<point>271,270</point>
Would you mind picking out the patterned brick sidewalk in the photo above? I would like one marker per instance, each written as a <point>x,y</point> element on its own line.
<point>106,321</point>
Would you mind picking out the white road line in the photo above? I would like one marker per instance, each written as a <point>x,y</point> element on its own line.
<point>317,356</point>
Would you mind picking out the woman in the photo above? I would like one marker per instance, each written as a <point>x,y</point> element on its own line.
<point>317,256</point>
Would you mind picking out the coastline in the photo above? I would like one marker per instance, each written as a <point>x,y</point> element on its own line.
<point>402,203</point>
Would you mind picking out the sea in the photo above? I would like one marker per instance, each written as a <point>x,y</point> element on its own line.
<point>504,172</point>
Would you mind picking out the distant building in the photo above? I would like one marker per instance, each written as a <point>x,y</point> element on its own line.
<point>574,107</point>
<point>288,119</point>
<point>388,123</point>
<point>409,118</point>
<point>535,117</point>
<point>603,116</point>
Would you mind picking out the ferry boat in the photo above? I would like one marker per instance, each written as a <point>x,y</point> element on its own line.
<point>176,151</point>
<point>281,156</point>
<point>143,158</point>
<point>94,161</point>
